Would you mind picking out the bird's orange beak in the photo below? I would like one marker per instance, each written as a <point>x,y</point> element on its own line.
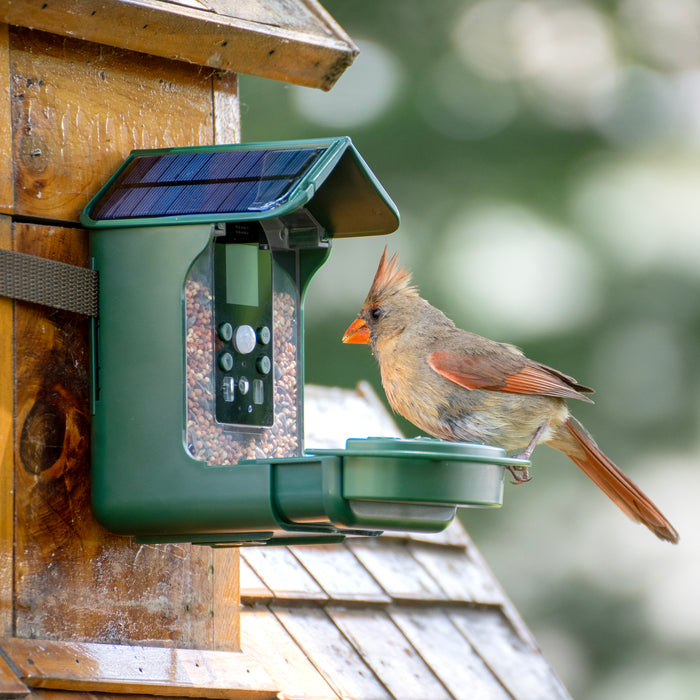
<point>357,332</point>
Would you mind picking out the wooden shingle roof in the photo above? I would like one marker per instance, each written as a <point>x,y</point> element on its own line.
<point>401,616</point>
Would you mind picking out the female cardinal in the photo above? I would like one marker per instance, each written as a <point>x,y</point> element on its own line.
<point>459,386</point>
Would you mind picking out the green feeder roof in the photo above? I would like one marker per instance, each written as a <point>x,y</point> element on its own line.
<point>245,182</point>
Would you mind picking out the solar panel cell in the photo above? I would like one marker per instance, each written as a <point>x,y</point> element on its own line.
<point>206,182</point>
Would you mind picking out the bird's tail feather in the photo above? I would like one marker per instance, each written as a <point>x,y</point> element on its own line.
<point>573,439</point>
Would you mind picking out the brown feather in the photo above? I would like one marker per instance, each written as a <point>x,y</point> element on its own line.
<point>579,446</point>
<point>514,374</point>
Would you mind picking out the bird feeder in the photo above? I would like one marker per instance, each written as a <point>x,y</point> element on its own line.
<point>204,256</point>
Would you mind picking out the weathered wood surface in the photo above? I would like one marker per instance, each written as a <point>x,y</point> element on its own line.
<point>138,670</point>
<point>265,639</point>
<point>334,656</point>
<point>6,457</point>
<point>6,189</point>
<point>294,40</point>
<point>377,640</point>
<point>77,109</point>
<point>449,654</point>
<point>73,580</point>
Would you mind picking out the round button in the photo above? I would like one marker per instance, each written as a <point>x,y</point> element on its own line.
<point>226,361</point>
<point>264,335</point>
<point>263,364</point>
<point>243,385</point>
<point>226,332</point>
<point>244,339</point>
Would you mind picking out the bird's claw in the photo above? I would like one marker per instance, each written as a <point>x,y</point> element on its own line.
<point>521,475</point>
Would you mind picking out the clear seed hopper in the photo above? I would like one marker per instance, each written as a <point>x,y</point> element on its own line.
<point>204,256</point>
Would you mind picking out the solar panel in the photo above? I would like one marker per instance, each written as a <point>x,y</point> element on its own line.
<point>205,182</point>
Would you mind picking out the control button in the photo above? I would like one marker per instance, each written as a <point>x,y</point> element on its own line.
<point>264,335</point>
<point>245,339</point>
<point>226,361</point>
<point>263,364</point>
<point>243,385</point>
<point>258,391</point>
<point>229,389</point>
<point>226,332</point>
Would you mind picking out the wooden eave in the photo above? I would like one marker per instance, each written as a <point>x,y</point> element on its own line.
<point>295,41</point>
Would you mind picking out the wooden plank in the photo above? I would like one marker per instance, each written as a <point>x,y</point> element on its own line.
<point>396,571</point>
<point>302,45</point>
<point>79,109</point>
<point>449,655</point>
<point>227,111</point>
<point>264,639</point>
<point>226,562</point>
<point>282,573</point>
<point>74,580</point>
<point>519,666</point>
<point>457,574</point>
<point>331,653</point>
<point>226,599</point>
<point>388,653</point>
<point>252,587</point>
<point>7,478</point>
<point>141,670</point>
<point>340,573</point>
<point>10,684</point>
<point>7,191</point>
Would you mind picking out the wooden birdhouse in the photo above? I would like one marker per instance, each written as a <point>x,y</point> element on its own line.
<point>84,83</point>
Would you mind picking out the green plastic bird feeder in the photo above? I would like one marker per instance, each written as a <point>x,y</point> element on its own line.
<point>204,256</point>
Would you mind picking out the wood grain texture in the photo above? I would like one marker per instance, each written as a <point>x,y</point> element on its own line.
<point>6,431</point>
<point>226,599</point>
<point>78,109</point>
<point>74,580</point>
<point>227,112</point>
<point>267,642</point>
<point>295,41</point>
<point>10,684</point>
<point>139,670</point>
<point>6,168</point>
<point>226,562</point>
<point>377,640</point>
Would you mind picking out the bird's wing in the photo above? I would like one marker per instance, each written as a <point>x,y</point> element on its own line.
<point>513,374</point>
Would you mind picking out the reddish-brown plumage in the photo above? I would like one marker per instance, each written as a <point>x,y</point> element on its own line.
<point>459,386</point>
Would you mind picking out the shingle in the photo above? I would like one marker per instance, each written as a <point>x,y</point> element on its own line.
<point>458,575</point>
<point>340,573</point>
<point>264,637</point>
<point>448,653</point>
<point>519,665</point>
<point>395,569</point>
<point>251,584</point>
<point>389,654</point>
<point>282,573</point>
<point>331,653</point>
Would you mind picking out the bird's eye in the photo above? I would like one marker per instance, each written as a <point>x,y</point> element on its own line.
<point>376,313</point>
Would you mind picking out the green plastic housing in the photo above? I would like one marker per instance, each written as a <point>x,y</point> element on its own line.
<point>148,478</point>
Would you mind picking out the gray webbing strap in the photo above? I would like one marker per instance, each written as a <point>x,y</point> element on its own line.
<point>49,282</point>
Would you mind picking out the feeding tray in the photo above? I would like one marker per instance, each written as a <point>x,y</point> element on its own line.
<point>395,469</point>
<point>385,482</point>
<point>204,257</point>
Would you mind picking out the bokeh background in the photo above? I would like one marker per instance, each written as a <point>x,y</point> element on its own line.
<point>545,158</point>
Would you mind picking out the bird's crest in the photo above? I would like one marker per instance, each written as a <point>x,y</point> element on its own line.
<point>390,278</point>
